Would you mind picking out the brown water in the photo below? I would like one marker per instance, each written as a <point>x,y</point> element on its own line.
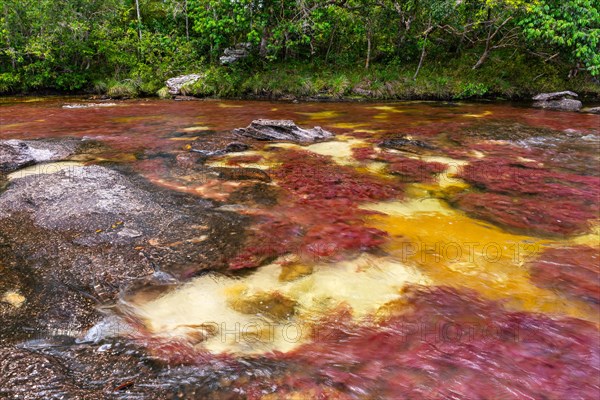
<point>378,271</point>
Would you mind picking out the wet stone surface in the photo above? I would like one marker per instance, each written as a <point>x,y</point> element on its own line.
<point>77,237</point>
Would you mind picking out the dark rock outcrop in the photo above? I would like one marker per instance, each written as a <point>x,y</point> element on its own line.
<point>282,130</point>
<point>405,144</point>
<point>561,101</point>
<point>73,239</point>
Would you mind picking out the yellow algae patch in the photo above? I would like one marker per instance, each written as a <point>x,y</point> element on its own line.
<point>227,105</point>
<point>340,151</point>
<point>13,298</point>
<point>43,169</point>
<point>285,145</point>
<point>387,109</point>
<point>410,207</point>
<point>382,116</point>
<point>263,164</point>
<point>483,114</point>
<point>321,114</point>
<point>590,239</point>
<point>196,128</point>
<point>453,249</point>
<point>448,177</point>
<point>376,167</point>
<point>348,125</point>
<point>262,312</point>
<point>184,138</point>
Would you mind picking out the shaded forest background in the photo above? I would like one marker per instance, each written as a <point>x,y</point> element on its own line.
<point>379,48</point>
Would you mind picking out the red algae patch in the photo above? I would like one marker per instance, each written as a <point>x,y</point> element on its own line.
<point>571,270</point>
<point>527,197</point>
<point>531,215</point>
<point>314,177</point>
<point>319,214</point>
<point>440,343</point>
<point>249,159</point>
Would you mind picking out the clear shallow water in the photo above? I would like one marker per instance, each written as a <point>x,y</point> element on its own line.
<point>424,267</point>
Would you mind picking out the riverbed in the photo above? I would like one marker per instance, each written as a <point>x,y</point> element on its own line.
<point>427,250</point>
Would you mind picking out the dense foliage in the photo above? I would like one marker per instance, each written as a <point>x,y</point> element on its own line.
<point>128,47</point>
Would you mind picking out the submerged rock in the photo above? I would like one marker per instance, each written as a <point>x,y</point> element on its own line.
<point>15,154</point>
<point>175,84</point>
<point>558,101</point>
<point>405,144</point>
<point>592,110</point>
<point>283,130</point>
<point>76,237</point>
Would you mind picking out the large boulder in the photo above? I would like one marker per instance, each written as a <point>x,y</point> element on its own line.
<point>175,84</point>
<point>555,96</point>
<point>73,239</point>
<point>15,154</point>
<point>282,130</point>
<point>562,101</point>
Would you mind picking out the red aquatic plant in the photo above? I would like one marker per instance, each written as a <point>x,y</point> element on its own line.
<point>572,270</point>
<point>454,345</point>
<point>319,215</point>
<point>529,178</point>
<point>526,214</point>
<point>311,176</point>
<point>250,159</point>
<point>529,197</point>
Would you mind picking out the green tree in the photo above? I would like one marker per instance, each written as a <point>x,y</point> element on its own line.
<point>570,26</point>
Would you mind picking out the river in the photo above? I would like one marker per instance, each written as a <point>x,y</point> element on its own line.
<point>429,250</point>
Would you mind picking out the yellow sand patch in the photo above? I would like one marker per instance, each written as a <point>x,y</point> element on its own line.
<point>13,298</point>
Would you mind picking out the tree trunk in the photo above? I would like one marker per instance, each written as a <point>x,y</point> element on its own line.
<point>187,23</point>
<point>482,59</point>
<point>368,60</point>
<point>139,18</point>
<point>420,59</point>
<point>263,43</point>
<point>368,53</point>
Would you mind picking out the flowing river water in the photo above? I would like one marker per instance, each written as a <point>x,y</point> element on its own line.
<point>429,250</point>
